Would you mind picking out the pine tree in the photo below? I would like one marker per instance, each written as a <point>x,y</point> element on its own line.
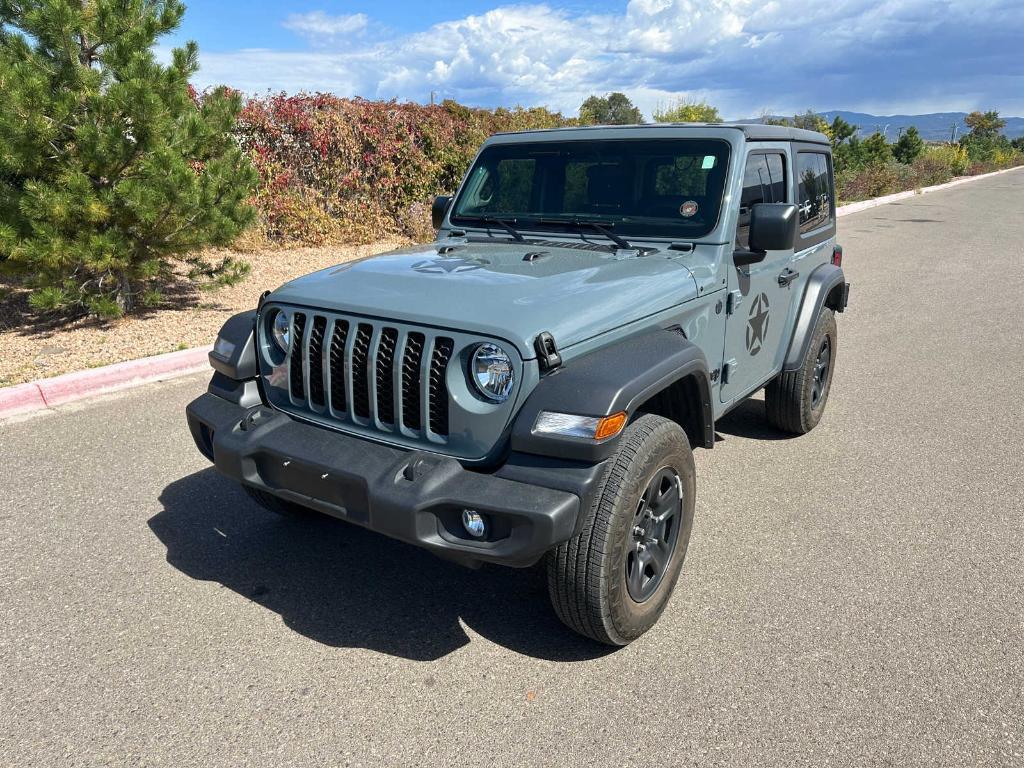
<point>111,168</point>
<point>909,146</point>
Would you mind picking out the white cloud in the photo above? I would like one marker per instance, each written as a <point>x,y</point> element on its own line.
<point>742,55</point>
<point>320,28</point>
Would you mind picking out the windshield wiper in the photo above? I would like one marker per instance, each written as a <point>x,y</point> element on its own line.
<point>505,224</point>
<point>605,228</point>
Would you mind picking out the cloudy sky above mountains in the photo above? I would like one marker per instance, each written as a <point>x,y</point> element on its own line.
<point>747,57</point>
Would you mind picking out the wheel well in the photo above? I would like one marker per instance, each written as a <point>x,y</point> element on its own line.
<point>682,403</point>
<point>834,300</point>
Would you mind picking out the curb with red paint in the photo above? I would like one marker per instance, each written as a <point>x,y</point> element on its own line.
<point>49,393</point>
<point>59,390</point>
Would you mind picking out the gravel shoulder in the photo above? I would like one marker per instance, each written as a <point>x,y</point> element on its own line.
<point>187,319</point>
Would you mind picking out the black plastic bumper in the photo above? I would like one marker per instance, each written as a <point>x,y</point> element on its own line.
<point>414,496</point>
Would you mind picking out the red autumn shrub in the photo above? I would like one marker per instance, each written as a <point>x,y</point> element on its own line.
<point>353,170</point>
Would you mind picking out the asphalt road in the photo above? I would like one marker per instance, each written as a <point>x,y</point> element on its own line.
<point>851,597</point>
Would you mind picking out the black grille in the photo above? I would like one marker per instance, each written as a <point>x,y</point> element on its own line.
<point>349,365</point>
<point>412,361</point>
<point>438,388</point>
<point>296,374</point>
<point>385,375</point>
<point>338,338</point>
<point>360,376</point>
<point>316,356</point>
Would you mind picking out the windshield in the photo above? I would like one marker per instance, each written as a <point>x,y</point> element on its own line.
<point>646,188</point>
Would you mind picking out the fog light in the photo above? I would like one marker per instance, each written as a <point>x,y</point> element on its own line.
<point>474,523</point>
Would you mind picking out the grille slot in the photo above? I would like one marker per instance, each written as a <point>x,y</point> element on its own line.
<point>339,401</point>
<point>412,364</point>
<point>316,357</point>
<point>438,387</point>
<point>385,375</point>
<point>296,374</point>
<point>360,376</point>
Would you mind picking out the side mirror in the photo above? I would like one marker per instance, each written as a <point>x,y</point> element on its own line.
<point>773,227</point>
<point>439,209</point>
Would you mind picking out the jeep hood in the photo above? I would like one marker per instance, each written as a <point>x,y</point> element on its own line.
<point>506,290</point>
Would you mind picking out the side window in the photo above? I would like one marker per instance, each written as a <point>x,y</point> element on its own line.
<point>815,190</point>
<point>764,181</point>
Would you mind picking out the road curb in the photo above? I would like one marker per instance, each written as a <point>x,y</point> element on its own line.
<point>864,205</point>
<point>59,390</point>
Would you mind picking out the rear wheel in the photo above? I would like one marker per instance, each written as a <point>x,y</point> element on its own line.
<point>795,400</point>
<point>613,581</point>
<point>278,506</point>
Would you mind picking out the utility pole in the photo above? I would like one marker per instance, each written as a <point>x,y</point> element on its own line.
<point>952,137</point>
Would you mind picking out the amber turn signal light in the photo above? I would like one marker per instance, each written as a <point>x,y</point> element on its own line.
<point>610,426</point>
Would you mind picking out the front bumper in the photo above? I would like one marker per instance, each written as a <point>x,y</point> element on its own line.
<point>415,496</point>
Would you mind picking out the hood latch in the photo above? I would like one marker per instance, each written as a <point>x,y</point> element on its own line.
<point>547,351</point>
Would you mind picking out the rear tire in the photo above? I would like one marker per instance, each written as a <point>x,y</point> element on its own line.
<point>278,506</point>
<point>602,582</point>
<point>795,400</point>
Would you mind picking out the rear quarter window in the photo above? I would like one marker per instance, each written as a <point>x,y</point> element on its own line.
<point>814,191</point>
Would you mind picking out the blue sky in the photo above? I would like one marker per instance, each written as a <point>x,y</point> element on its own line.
<point>746,56</point>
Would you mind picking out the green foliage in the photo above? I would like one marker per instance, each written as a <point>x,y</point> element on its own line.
<point>612,109</point>
<point>986,146</point>
<point>985,124</point>
<point>808,121</point>
<point>840,131</point>
<point>909,146</point>
<point>111,168</point>
<point>684,111</point>
<point>875,150</point>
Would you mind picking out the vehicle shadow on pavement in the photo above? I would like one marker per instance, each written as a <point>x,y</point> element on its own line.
<point>749,420</point>
<point>344,586</point>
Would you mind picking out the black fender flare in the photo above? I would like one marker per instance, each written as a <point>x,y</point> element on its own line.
<point>619,377</point>
<point>237,361</point>
<point>821,285</point>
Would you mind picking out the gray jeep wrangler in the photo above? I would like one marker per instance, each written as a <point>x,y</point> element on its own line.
<point>530,385</point>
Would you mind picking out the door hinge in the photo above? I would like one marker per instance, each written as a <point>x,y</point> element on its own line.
<point>733,302</point>
<point>728,370</point>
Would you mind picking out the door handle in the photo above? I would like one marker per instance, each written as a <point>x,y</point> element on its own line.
<point>788,276</point>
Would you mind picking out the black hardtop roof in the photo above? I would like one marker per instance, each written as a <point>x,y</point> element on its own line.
<point>752,131</point>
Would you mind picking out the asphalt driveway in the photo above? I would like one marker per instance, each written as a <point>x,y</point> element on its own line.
<point>852,597</point>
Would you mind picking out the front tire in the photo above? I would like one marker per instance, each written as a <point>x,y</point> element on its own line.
<point>795,400</point>
<point>612,581</point>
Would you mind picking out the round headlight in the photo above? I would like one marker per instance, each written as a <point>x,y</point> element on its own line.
<point>491,371</point>
<point>281,330</point>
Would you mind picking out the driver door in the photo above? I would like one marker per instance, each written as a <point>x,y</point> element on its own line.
<point>759,300</point>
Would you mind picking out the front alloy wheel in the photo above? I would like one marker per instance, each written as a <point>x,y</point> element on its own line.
<point>655,532</point>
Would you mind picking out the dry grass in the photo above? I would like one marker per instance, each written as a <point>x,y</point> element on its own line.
<point>36,347</point>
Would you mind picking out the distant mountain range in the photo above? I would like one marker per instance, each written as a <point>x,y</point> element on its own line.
<point>937,126</point>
